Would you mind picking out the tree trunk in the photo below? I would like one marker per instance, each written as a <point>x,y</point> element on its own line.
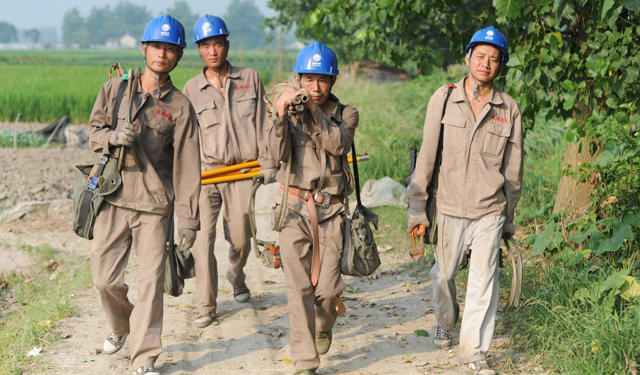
<point>572,196</point>
<point>354,67</point>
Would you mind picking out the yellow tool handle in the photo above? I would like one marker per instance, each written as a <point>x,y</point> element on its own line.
<point>231,168</point>
<point>227,178</point>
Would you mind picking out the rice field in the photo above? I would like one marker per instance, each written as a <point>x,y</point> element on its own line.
<point>46,85</point>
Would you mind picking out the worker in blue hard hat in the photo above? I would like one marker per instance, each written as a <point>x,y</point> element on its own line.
<point>232,117</point>
<point>473,145</point>
<point>313,145</point>
<point>160,171</point>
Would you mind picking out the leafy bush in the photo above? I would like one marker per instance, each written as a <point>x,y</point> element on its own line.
<point>23,139</point>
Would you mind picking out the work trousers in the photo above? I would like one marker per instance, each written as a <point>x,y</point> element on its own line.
<point>232,198</point>
<point>311,308</point>
<point>116,231</point>
<point>455,236</point>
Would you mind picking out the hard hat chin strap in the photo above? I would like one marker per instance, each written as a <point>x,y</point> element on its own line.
<point>154,72</point>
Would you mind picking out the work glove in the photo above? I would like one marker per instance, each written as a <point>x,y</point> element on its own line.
<point>186,238</point>
<point>508,230</point>
<point>123,135</point>
<point>269,175</point>
<point>416,218</point>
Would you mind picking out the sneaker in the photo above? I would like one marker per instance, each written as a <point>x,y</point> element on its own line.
<point>443,338</point>
<point>477,368</point>
<point>241,293</point>
<point>113,343</point>
<point>323,341</point>
<point>205,320</point>
<point>305,372</point>
<point>147,370</point>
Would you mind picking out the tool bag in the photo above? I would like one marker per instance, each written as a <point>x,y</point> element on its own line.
<point>93,182</point>
<point>431,237</point>
<point>360,255</point>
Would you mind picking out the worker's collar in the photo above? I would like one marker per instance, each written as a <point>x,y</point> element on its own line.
<point>232,72</point>
<point>165,88</point>
<point>458,94</point>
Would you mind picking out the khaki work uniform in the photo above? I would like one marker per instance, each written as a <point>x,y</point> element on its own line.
<point>478,189</point>
<point>231,132</point>
<point>319,161</point>
<point>137,214</point>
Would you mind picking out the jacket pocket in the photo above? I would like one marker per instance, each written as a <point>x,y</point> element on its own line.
<point>495,138</point>
<point>245,104</point>
<point>454,132</point>
<point>154,135</point>
<point>207,113</point>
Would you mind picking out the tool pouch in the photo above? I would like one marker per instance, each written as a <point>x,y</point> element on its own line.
<point>360,255</point>
<point>88,197</point>
<point>270,257</point>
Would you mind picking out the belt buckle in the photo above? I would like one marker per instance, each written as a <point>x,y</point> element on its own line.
<point>325,202</point>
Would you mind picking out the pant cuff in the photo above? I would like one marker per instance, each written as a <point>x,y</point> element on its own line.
<point>472,358</point>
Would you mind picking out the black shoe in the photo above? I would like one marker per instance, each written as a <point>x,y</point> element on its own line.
<point>241,293</point>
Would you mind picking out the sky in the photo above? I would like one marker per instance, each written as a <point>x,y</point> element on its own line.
<point>41,13</point>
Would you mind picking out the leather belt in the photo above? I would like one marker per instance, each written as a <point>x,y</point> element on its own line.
<point>312,198</point>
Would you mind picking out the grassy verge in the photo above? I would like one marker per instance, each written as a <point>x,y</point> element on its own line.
<point>37,303</point>
<point>23,139</point>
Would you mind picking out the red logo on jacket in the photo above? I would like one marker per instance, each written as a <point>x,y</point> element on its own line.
<point>243,87</point>
<point>498,118</point>
<point>165,114</point>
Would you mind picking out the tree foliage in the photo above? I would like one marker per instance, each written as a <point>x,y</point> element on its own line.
<point>8,32</point>
<point>244,20</point>
<point>564,52</point>
<point>33,34</point>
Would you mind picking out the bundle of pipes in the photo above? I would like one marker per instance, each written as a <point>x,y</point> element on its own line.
<point>298,105</point>
<point>244,171</point>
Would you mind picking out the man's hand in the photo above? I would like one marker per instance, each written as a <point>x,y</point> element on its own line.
<point>508,230</point>
<point>186,238</point>
<point>286,99</point>
<point>123,135</point>
<point>269,175</point>
<point>416,218</point>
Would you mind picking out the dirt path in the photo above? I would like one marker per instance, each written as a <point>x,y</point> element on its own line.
<point>374,337</point>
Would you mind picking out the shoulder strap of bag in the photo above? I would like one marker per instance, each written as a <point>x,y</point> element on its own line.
<point>434,179</point>
<point>356,176</point>
<point>116,108</point>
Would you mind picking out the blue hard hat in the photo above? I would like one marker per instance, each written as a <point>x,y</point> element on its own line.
<point>164,29</point>
<point>318,59</point>
<point>209,26</point>
<point>493,36</point>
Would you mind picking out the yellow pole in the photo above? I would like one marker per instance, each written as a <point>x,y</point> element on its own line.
<point>232,173</point>
<point>231,168</point>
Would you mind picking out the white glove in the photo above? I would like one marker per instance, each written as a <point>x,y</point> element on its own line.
<point>269,175</point>
<point>415,218</point>
<point>186,238</point>
<point>123,135</point>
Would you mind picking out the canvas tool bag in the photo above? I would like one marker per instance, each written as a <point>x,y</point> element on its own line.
<point>93,182</point>
<point>360,255</point>
<point>179,265</point>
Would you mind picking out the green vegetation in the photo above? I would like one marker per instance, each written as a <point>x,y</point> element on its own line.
<point>23,139</point>
<point>42,299</point>
<point>45,86</point>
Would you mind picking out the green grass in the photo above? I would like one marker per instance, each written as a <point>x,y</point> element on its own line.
<point>22,139</point>
<point>42,303</point>
<point>48,85</point>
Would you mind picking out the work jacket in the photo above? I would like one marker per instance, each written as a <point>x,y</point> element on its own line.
<point>320,145</point>
<point>166,144</point>
<point>481,171</point>
<point>231,127</point>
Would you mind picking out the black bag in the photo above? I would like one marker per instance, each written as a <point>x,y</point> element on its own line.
<point>94,182</point>
<point>360,255</point>
<point>431,237</point>
<point>179,265</point>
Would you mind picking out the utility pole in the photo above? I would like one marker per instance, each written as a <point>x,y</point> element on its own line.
<point>280,50</point>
